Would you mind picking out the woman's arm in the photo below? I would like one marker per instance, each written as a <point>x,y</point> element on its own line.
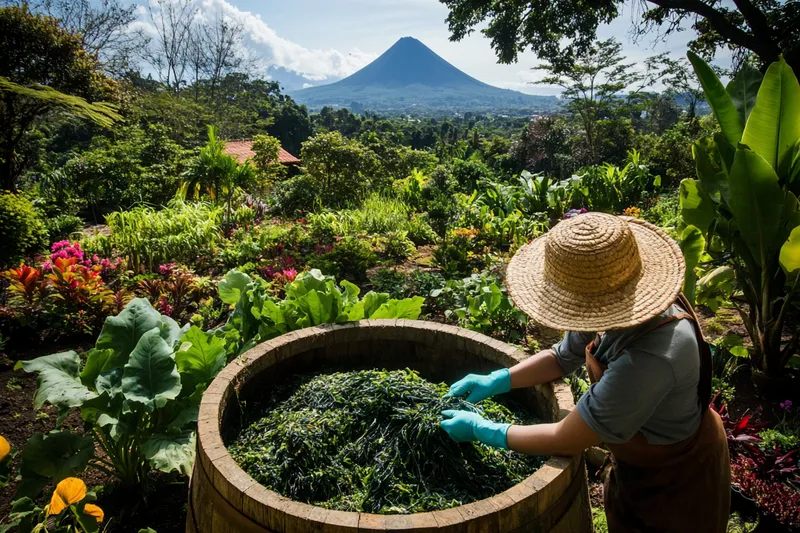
<point>537,369</point>
<point>568,437</point>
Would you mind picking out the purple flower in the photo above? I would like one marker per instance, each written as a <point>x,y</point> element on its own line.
<point>574,212</point>
<point>786,405</point>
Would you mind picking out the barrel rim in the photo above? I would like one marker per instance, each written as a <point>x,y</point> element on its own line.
<point>227,476</point>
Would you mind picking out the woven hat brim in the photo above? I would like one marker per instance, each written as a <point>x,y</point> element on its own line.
<point>650,293</point>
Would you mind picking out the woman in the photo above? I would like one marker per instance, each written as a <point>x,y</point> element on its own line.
<point>650,373</point>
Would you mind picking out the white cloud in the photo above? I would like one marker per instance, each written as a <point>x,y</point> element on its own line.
<point>307,85</point>
<point>313,64</point>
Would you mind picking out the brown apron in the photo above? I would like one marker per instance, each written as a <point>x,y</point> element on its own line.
<point>675,488</point>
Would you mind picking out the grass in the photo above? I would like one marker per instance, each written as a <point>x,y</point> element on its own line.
<point>370,441</point>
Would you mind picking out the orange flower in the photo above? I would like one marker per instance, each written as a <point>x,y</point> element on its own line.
<point>5,448</point>
<point>68,491</point>
<point>93,510</point>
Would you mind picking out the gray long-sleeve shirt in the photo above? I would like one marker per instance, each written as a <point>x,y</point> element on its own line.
<point>650,385</point>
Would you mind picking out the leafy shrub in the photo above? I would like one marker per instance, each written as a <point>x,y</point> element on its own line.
<point>62,227</point>
<point>311,299</point>
<point>138,393</point>
<point>21,230</point>
<point>350,257</point>
<point>611,189</point>
<point>295,195</point>
<point>456,255</point>
<point>390,281</point>
<point>180,232</point>
<point>397,245</point>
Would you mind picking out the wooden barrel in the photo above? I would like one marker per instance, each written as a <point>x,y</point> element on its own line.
<point>224,499</point>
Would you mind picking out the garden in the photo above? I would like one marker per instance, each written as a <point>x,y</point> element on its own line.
<point>139,259</point>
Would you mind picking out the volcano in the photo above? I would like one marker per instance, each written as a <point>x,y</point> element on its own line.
<point>410,76</point>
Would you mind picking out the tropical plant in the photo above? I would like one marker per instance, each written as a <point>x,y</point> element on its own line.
<point>491,312</point>
<point>138,394</point>
<point>611,189</point>
<point>311,299</point>
<point>70,510</point>
<point>744,201</point>
<point>180,232</point>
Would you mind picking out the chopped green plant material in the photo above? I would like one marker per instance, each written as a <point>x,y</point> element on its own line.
<point>370,441</point>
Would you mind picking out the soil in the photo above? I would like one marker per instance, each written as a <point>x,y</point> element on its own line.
<point>164,508</point>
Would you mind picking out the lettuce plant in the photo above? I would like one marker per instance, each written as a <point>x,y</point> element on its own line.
<point>138,394</point>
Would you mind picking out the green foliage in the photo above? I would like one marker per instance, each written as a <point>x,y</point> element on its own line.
<point>21,230</point>
<point>378,214</point>
<point>266,159</point>
<point>343,170</point>
<point>138,394</point>
<point>611,189</point>
<point>180,232</point>
<point>745,199</point>
<point>545,146</point>
<point>295,195</point>
<point>311,299</point>
<point>137,166</point>
<point>350,257</point>
<point>62,227</point>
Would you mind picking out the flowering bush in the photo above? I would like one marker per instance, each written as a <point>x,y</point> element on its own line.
<point>774,497</point>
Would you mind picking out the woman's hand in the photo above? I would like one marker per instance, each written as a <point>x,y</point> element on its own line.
<point>477,387</point>
<point>464,426</point>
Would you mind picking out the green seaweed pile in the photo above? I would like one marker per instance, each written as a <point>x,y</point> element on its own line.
<point>370,441</point>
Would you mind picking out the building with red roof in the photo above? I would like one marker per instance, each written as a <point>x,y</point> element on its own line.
<point>243,150</point>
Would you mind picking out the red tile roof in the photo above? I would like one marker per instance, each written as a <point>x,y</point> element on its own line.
<point>243,150</point>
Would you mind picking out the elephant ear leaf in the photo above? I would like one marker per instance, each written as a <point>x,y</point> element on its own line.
<point>121,333</point>
<point>97,362</point>
<point>59,381</point>
<point>151,377</point>
<point>697,207</point>
<point>790,254</point>
<point>171,452</point>
<point>774,126</point>
<point>51,458</point>
<point>719,100</point>
<point>200,358</point>
<point>232,287</point>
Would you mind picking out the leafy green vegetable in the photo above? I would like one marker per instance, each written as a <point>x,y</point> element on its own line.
<point>370,441</point>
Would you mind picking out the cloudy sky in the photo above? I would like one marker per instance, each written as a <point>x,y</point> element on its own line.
<point>334,38</point>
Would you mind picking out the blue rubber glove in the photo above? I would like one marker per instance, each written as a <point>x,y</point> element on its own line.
<point>477,387</point>
<point>463,426</point>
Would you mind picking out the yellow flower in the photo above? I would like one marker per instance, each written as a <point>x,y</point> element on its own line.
<point>632,212</point>
<point>5,448</point>
<point>93,510</point>
<point>69,491</point>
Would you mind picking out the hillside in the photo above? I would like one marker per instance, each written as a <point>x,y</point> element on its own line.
<point>409,76</point>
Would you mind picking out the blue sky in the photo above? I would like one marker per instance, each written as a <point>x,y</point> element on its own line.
<point>334,38</point>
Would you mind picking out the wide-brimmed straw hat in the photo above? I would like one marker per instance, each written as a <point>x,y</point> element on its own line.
<point>596,272</point>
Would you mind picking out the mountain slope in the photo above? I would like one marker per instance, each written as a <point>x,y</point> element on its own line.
<point>411,76</point>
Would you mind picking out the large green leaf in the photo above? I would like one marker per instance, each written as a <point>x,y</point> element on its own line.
<point>51,458</point>
<point>97,362</point>
<point>692,245</point>
<point>171,452</point>
<point>790,253</point>
<point>151,377</point>
<point>409,308</point>
<point>697,208</point>
<point>121,333</point>
<point>200,358</point>
<point>757,204</point>
<point>774,124</point>
<point>59,380</point>
<point>372,301</point>
<point>719,100</point>
<point>743,90</point>
<point>232,287</point>
<point>714,182</point>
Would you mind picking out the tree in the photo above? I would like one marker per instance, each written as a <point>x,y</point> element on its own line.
<point>168,53</point>
<point>225,54</point>
<point>342,168</point>
<point>559,30</point>
<point>593,84</point>
<point>44,70</point>
<point>104,28</point>
<point>267,149</point>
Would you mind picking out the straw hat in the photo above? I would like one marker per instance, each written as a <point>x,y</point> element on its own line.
<point>596,272</point>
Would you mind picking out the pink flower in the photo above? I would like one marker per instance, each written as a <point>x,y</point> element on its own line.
<point>47,265</point>
<point>290,274</point>
<point>786,405</point>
